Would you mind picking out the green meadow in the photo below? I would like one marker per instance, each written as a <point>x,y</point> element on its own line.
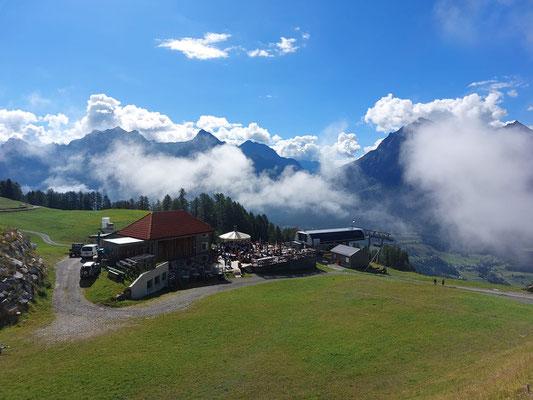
<point>331,336</point>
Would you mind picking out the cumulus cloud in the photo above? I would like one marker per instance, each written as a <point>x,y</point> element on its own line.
<point>13,123</point>
<point>306,147</point>
<point>233,133</point>
<point>346,145</point>
<point>390,113</point>
<point>512,93</point>
<point>55,121</point>
<point>105,112</point>
<point>223,169</point>
<point>478,179</point>
<point>201,49</point>
<point>299,147</point>
<point>286,46</point>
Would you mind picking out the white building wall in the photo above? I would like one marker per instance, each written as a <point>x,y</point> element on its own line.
<point>150,281</point>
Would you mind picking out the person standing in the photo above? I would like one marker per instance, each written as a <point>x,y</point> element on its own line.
<point>442,281</point>
<point>435,281</point>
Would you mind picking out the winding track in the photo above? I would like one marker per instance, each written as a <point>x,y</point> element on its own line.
<point>46,238</point>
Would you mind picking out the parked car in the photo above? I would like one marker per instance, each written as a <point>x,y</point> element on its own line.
<point>89,251</point>
<point>75,250</point>
<point>90,269</point>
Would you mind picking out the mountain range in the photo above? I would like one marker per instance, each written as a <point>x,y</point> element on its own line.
<point>32,165</point>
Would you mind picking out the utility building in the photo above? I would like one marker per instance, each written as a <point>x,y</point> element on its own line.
<point>351,257</point>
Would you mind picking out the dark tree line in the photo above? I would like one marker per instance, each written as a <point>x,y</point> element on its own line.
<point>219,211</point>
<point>11,190</point>
<point>394,257</point>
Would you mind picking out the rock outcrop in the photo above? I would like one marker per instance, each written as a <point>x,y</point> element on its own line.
<point>22,272</point>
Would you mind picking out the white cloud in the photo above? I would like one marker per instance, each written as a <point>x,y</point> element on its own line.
<point>286,46</point>
<point>478,179</point>
<point>306,148</point>
<point>299,147</point>
<point>346,145</point>
<point>232,132</point>
<point>496,86</point>
<point>63,185</point>
<point>14,122</point>
<point>374,146</point>
<point>201,49</point>
<point>483,83</point>
<point>259,53</point>
<point>105,112</point>
<point>530,108</point>
<point>223,169</point>
<point>55,121</point>
<point>390,113</point>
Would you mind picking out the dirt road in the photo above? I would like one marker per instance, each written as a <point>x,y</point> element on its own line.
<point>46,238</point>
<point>77,318</point>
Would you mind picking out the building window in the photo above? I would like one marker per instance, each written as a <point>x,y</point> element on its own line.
<point>149,284</point>
<point>204,246</point>
<point>347,260</point>
<point>164,276</point>
<point>156,280</point>
<point>204,234</point>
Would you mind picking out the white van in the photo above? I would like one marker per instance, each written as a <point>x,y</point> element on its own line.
<point>89,251</point>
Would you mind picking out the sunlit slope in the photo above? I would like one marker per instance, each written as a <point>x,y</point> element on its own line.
<point>332,336</point>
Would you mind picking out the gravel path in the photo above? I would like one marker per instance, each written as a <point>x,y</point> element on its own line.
<point>77,318</point>
<point>46,238</point>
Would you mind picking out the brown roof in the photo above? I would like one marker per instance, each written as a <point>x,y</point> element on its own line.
<point>166,224</point>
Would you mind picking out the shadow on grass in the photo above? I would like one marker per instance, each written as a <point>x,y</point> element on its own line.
<point>290,274</point>
<point>87,282</point>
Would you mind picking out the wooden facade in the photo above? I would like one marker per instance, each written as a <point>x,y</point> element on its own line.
<point>176,248</point>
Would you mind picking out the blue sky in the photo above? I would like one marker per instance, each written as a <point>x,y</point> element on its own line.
<point>346,56</point>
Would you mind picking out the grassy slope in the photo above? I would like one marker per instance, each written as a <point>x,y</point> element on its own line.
<point>68,226</point>
<point>334,336</point>
<point>8,203</point>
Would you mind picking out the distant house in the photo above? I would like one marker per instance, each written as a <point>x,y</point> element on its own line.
<point>169,235</point>
<point>350,257</point>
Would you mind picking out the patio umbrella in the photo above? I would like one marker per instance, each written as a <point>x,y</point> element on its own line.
<point>235,236</point>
